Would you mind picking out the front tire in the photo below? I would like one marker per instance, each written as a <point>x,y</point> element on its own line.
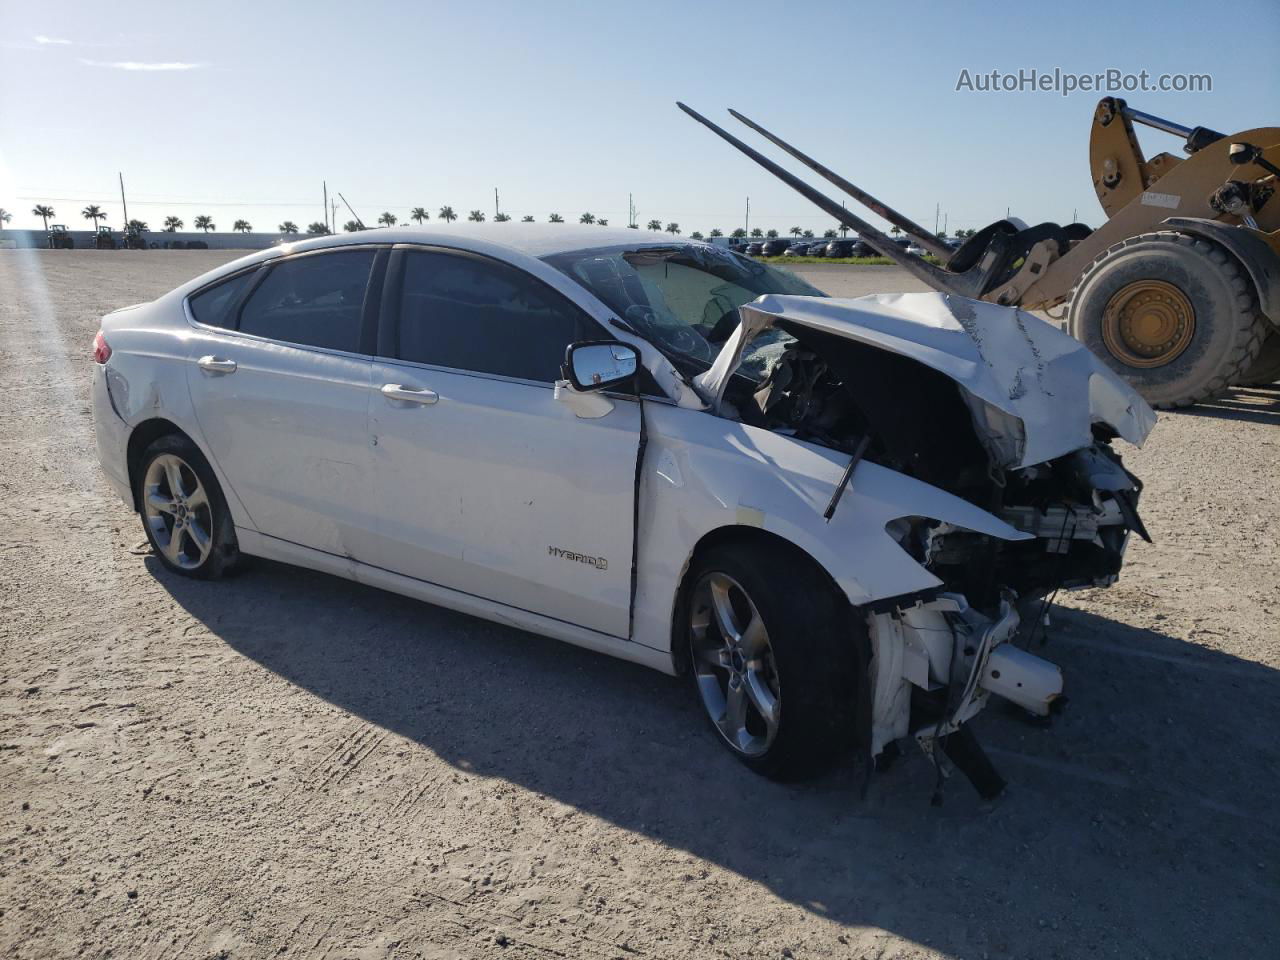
<point>1173,314</point>
<point>183,511</point>
<point>773,658</point>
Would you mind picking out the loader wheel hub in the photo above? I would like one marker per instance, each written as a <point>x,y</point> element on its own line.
<point>1148,323</point>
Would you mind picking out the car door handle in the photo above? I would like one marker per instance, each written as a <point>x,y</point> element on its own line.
<point>212,364</point>
<point>397,391</point>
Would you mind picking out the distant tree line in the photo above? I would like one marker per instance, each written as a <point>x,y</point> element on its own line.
<point>419,215</point>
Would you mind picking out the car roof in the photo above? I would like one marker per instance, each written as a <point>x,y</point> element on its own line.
<point>532,239</point>
<point>508,240</point>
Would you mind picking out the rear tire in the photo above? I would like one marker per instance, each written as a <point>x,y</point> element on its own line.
<point>803,660</point>
<point>183,511</point>
<point>1172,314</point>
<point>1266,369</point>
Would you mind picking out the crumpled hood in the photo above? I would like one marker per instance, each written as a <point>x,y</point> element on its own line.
<point>1001,357</point>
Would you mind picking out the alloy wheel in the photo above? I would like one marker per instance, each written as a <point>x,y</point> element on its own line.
<point>733,664</point>
<point>177,511</point>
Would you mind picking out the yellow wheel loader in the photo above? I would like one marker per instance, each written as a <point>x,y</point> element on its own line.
<point>1179,291</point>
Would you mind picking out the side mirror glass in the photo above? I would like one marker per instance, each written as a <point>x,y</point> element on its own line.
<point>598,365</point>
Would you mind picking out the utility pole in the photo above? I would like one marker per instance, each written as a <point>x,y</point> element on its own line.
<point>326,206</point>
<point>123,204</point>
<point>495,203</point>
<point>746,224</point>
<point>937,208</point>
<point>631,211</point>
<point>333,205</point>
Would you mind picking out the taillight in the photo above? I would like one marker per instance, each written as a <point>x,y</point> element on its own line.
<point>101,349</point>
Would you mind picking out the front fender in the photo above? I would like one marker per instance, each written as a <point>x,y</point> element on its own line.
<point>703,473</point>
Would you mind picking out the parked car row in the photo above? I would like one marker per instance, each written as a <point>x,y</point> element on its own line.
<point>821,247</point>
<point>826,247</point>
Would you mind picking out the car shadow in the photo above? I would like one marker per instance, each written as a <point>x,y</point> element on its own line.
<point>1145,816</point>
<point>1250,404</point>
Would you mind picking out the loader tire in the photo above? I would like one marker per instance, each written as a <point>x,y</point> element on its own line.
<point>1175,315</point>
<point>1266,369</point>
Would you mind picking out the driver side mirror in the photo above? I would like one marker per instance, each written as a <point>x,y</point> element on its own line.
<point>599,364</point>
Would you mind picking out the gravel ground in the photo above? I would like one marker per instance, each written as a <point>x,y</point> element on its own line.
<point>286,764</point>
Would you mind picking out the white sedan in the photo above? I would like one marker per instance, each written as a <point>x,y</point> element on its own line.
<point>827,513</point>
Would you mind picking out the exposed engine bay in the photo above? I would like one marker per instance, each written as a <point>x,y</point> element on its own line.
<point>1079,507</point>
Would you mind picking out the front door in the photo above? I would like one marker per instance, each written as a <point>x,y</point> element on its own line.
<point>486,483</point>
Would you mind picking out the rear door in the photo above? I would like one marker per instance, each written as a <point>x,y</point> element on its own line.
<point>486,483</point>
<point>279,375</point>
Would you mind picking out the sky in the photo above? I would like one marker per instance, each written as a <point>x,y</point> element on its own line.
<point>243,110</point>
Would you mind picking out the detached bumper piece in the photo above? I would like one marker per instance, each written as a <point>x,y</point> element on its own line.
<point>936,664</point>
<point>1023,678</point>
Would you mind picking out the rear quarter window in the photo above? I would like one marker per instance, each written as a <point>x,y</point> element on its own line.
<point>215,306</point>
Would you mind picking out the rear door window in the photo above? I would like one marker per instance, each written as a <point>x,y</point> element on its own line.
<point>472,313</point>
<point>316,300</point>
<point>215,306</point>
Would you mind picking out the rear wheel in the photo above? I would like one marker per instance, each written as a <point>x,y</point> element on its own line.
<point>773,659</point>
<point>183,510</point>
<point>1266,369</point>
<point>1174,315</point>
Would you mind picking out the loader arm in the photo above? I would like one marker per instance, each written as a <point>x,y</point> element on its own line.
<point>927,239</point>
<point>972,283</point>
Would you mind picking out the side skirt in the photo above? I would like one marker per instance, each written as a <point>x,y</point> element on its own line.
<point>256,544</point>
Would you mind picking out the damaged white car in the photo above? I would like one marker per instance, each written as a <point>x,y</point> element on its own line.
<point>827,513</point>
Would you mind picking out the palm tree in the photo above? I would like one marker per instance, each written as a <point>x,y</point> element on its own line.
<point>527,218</point>
<point>419,214</point>
<point>828,234</point>
<point>654,224</point>
<point>5,217</point>
<point>771,235</point>
<point>844,231</point>
<point>44,213</point>
<point>317,229</point>
<point>93,212</point>
<point>242,226</point>
<point>696,235</point>
<point>447,215</point>
<point>204,223</point>
<point>172,224</point>
<point>476,216</point>
<point>352,227</point>
<point>137,226</point>
<point>808,234</point>
<point>555,218</point>
<point>501,217</point>
<point>288,227</point>
<point>587,218</point>
<point>715,232</point>
<point>795,231</point>
<point>388,219</point>
<point>739,234</point>
<point>602,222</point>
<point>756,233</point>
<point>896,230</point>
<point>673,228</point>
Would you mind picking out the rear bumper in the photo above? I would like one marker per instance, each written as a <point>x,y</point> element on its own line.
<point>112,435</point>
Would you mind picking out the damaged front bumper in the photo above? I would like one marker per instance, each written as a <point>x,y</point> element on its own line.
<point>937,661</point>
